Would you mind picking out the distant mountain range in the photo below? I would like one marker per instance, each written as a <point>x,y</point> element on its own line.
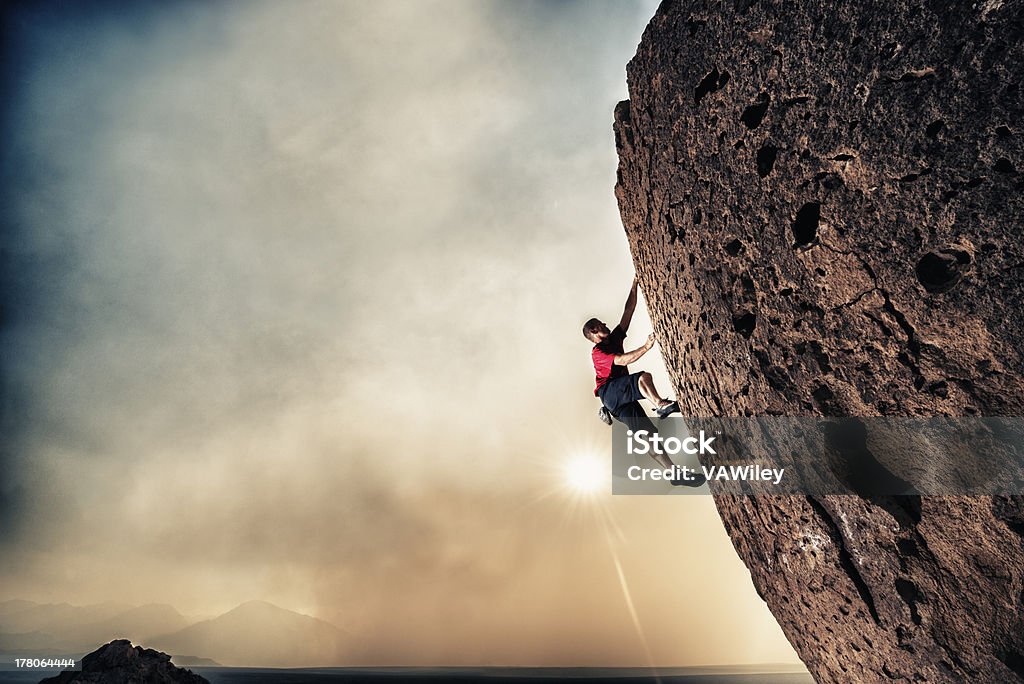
<point>256,633</point>
<point>260,634</point>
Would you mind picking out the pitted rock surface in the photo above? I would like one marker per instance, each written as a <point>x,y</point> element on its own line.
<point>824,205</point>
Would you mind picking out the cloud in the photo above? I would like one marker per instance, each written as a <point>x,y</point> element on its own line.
<point>291,304</point>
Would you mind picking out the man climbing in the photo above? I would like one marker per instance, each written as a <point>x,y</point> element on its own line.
<point>616,386</point>
<point>619,390</point>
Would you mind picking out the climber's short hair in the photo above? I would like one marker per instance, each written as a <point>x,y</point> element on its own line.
<point>591,327</point>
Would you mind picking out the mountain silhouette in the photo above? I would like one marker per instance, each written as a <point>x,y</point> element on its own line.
<point>260,634</point>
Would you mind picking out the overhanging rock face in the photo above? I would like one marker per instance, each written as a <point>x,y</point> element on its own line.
<point>824,205</point>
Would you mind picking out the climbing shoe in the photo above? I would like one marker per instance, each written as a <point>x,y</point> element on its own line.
<point>667,410</point>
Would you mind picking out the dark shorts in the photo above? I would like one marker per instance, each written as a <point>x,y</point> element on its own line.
<point>619,392</point>
<point>633,416</point>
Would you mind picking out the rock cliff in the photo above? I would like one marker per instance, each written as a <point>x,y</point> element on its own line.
<point>823,203</point>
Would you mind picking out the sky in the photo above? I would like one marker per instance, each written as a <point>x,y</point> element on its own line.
<point>292,296</point>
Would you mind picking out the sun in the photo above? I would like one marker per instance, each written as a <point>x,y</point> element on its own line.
<point>585,474</point>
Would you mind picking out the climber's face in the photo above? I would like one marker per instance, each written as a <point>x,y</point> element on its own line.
<point>598,334</point>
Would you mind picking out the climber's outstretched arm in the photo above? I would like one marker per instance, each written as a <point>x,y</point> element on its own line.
<point>627,311</point>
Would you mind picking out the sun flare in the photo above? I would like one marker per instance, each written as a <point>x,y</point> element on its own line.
<point>585,474</point>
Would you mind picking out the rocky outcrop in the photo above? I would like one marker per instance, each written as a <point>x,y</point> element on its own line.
<point>120,663</point>
<point>823,202</point>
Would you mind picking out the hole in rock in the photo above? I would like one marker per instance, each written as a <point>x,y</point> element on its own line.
<point>829,181</point>
<point>843,157</point>
<point>1003,131</point>
<point>907,547</point>
<point>734,247</point>
<point>779,380</point>
<point>911,595</point>
<point>825,399</point>
<point>707,85</point>
<point>766,160</point>
<point>805,225</point>
<point>744,324</point>
<point>821,357</point>
<point>1003,165</point>
<point>754,114</point>
<point>938,271</point>
<point>911,177</point>
<point>934,127</point>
